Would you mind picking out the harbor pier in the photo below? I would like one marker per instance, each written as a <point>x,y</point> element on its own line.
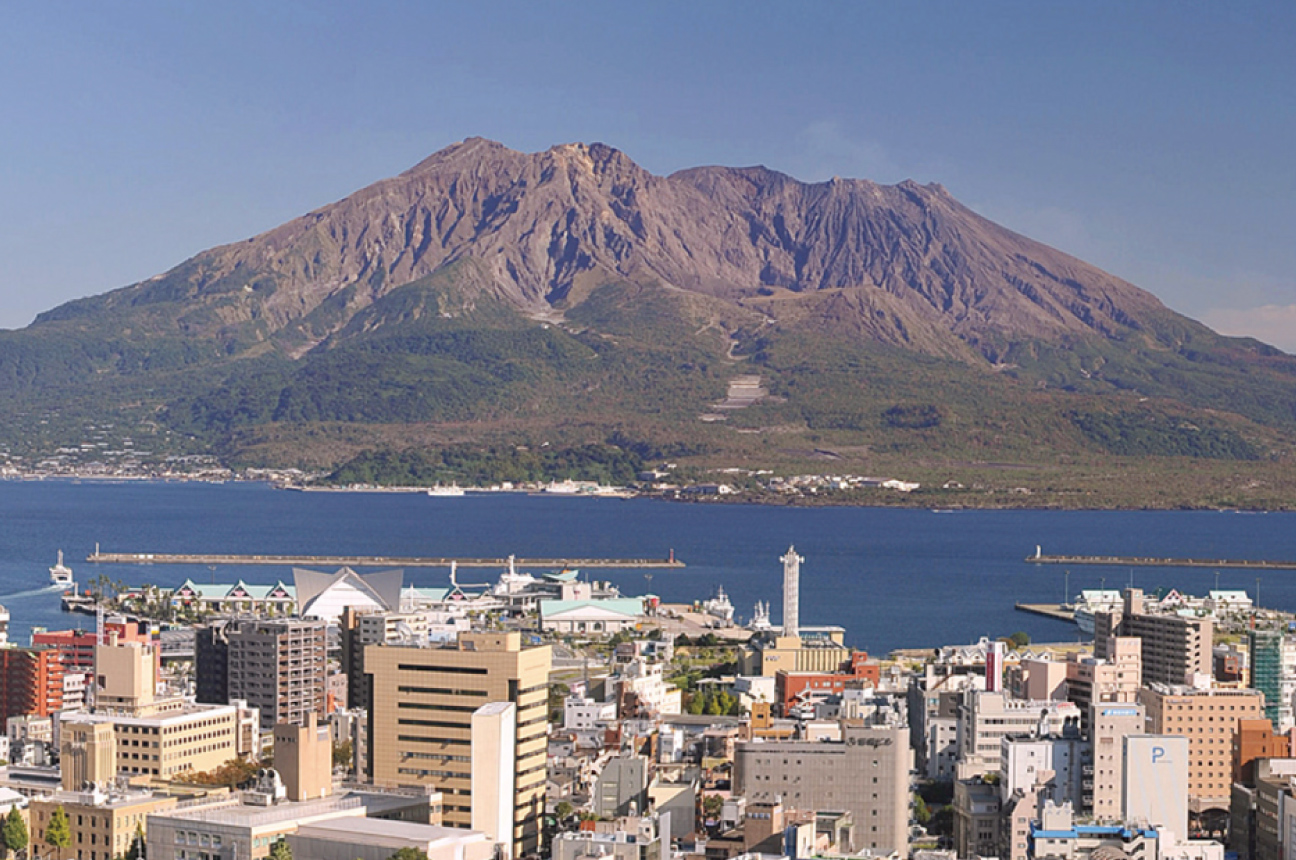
<point>353,561</point>
<point>1149,561</point>
<point>1049,610</point>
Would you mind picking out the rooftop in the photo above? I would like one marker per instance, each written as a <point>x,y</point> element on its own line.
<point>393,834</point>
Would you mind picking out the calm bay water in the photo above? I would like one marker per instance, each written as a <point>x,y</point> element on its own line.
<point>892,578</point>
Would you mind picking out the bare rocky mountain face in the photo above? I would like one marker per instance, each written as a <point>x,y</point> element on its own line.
<point>488,288</point>
<point>905,264</point>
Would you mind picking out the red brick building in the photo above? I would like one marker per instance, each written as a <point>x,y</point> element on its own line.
<point>1255,739</point>
<point>77,646</point>
<point>794,688</point>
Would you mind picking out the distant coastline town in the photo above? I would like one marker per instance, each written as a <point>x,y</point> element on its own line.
<point>545,713</point>
<point>659,482</point>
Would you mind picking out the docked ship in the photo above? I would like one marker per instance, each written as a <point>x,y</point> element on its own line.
<point>61,575</point>
<point>452,490</point>
<point>1092,601</point>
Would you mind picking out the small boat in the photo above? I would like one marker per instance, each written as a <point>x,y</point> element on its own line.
<point>61,575</point>
<point>452,490</point>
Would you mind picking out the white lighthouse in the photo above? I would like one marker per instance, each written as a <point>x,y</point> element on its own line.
<point>791,592</point>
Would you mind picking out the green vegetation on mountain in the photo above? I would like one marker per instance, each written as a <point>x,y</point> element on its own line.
<point>492,315</point>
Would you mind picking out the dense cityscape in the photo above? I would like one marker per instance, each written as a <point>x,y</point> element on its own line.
<point>349,715</point>
<point>647,431</point>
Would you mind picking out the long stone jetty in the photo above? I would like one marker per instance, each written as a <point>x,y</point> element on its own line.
<point>376,560</point>
<point>1149,561</point>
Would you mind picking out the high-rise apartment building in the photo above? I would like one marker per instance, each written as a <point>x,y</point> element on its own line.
<point>1174,649</point>
<point>279,667</point>
<point>421,722</point>
<point>31,682</point>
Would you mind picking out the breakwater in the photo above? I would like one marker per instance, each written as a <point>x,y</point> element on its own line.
<point>1148,561</point>
<point>377,560</point>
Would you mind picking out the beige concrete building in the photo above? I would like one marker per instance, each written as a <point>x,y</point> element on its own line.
<point>1174,649</point>
<point>303,758</point>
<point>1209,719</point>
<point>494,733</point>
<point>977,806</point>
<point>420,728</point>
<point>192,738</point>
<point>87,755</point>
<point>1109,725</point>
<point>102,826</point>
<point>866,774</point>
<point>791,653</point>
<point>1114,678</point>
<point>1038,680</point>
<point>125,677</point>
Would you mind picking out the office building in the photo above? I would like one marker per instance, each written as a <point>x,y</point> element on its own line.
<point>1114,679</point>
<point>378,839</point>
<point>211,659</point>
<point>986,718</point>
<point>102,825</point>
<point>189,739</point>
<point>87,756</point>
<point>424,699</point>
<point>622,787</point>
<point>1157,773</point>
<point>1209,720</point>
<point>977,812</point>
<point>494,763</point>
<point>1109,725</point>
<point>230,829</point>
<point>1058,766</point>
<point>1255,741</point>
<point>866,774</point>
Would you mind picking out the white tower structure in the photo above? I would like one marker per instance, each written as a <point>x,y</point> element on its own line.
<point>791,592</point>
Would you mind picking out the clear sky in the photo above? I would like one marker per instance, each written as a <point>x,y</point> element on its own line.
<point>1157,140</point>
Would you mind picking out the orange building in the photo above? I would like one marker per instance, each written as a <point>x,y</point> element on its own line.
<point>31,682</point>
<point>1255,739</point>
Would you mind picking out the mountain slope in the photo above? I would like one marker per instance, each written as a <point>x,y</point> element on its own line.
<point>519,296</point>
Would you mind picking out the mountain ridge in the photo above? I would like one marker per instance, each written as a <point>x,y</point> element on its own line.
<point>516,290</point>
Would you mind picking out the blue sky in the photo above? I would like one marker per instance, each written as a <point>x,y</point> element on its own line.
<point>1157,140</point>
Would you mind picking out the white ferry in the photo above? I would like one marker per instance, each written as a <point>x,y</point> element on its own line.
<point>452,490</point>
<point>1095,600</point>
<point>61,575</point>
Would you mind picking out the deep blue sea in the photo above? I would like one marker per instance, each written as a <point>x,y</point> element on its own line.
<point>893,578</point>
